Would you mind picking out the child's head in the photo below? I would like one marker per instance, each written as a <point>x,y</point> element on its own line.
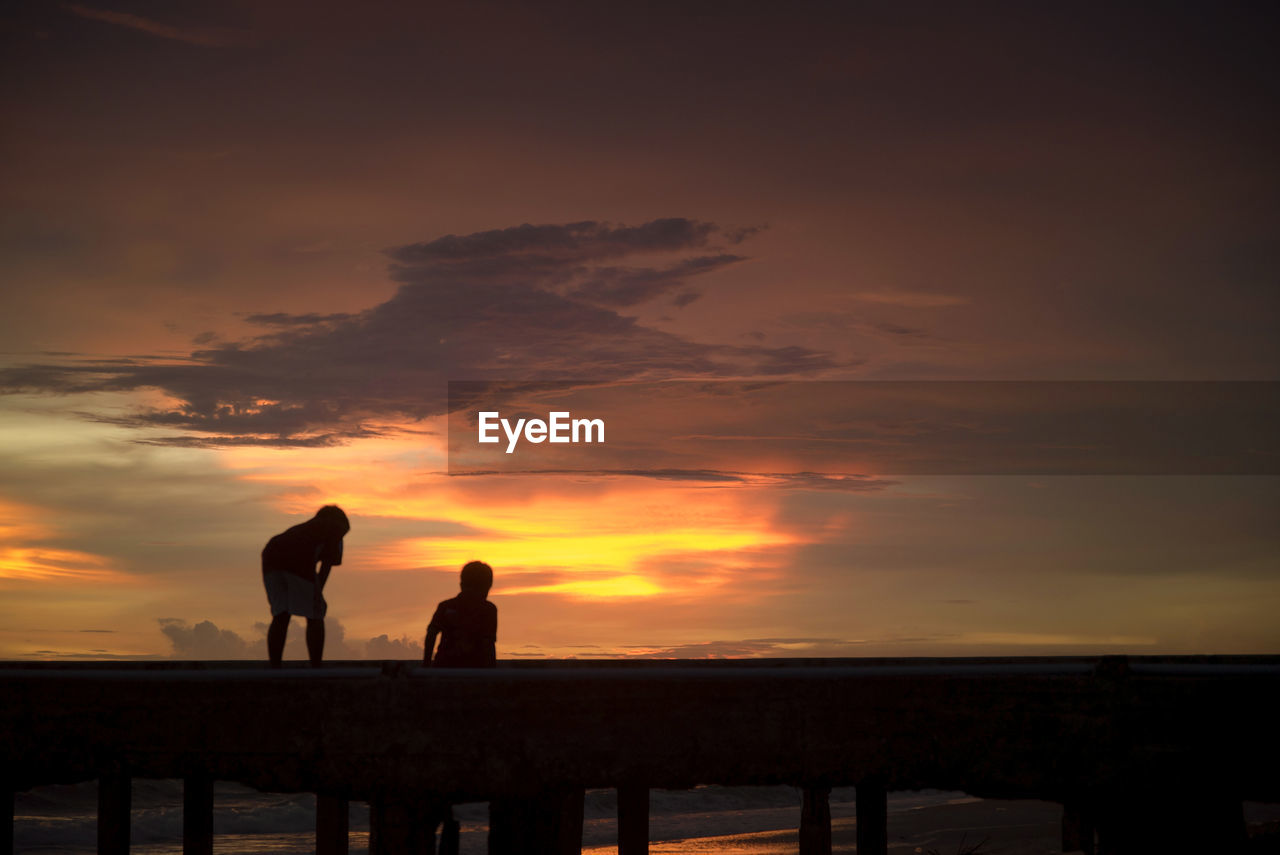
<point>477,578</point>
<point>333,519</point>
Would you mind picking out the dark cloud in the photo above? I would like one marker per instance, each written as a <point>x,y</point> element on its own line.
<point>205,640</point>
<point>323,440</point>
<point>571,242</point>
<point>523,303</point>
<point>839,481</point>
<point>284,319</point>
<point>621,287</point>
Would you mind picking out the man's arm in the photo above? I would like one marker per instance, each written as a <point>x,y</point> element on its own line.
<point>323,575</point>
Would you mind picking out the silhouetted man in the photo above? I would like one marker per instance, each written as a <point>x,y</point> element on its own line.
<point>467,625</point>
<point>293,585</point>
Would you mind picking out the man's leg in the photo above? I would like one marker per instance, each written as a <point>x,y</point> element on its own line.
<point>275,638</point>
<point>315,640</point>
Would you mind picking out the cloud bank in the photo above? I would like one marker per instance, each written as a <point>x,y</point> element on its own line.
<point>206,640</point>
<point>528,303</point>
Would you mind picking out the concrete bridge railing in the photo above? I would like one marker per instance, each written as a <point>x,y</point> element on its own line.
<point>1147,754</point>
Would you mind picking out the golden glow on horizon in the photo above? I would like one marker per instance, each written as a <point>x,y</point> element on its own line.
<point>45,564</point>
<point>590,557</point>
<point>373,477</point>
<point>594,589</point>
<point>1038,639</point>
<point>23,557</point>
<point>604,538</point>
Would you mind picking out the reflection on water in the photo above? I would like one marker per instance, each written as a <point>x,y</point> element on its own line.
<point>759,843</point>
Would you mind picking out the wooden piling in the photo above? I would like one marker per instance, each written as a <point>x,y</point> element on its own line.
<point>115,801</point>
<point>544,824</point>
<point>1077,828</point>
<point>1185,821</point>
<point>506,826</point>
<point>873,818</point>
<point>815,821</point>
<point>399,827</point>
<point>572,805</point>
<point>331,825</point>
<point>450,832</point>
<point>633,820</point>
<point>197,814</point>
<point>6,820</point>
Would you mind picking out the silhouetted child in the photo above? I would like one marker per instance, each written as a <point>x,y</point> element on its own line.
<point>467,625</point>
<point>293,585</point>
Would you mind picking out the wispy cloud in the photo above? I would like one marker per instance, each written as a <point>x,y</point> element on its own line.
<point>911,299</point>
<point>47,564</point>
<point>31,550</point>
<point>204,36</point>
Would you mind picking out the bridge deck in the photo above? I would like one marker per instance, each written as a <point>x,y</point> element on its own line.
<point>1070,730</point>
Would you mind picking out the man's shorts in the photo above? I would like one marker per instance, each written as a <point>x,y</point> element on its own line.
<point>293,594</point>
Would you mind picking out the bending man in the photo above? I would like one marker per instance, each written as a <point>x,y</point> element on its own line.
<point>293,585</point>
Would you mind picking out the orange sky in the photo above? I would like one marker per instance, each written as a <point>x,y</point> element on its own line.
<point>245,249</point>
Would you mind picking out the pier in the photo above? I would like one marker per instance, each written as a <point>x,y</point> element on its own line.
<point>1145,753</point>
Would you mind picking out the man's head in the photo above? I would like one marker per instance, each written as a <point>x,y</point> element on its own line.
<point>477,578</point>
<point>334,520</point>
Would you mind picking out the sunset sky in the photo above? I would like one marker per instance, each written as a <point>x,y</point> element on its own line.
<point>244,248</point>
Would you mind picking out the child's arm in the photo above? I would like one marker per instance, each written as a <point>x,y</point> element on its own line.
<point>433,632</point>
<point>430,643</point>
<point>491,653</point>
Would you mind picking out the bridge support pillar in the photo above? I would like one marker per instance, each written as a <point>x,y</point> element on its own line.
<point>450,833</point>
<point>6,821</point>
<point>1184,821</point>
<point>115,801</point>
<point>331,825</point>
<point>815,821</point>
<point>197,814</point>
<point>402,827</point>
<point>569,838</point>
<point>873,818</point>
<point>1078,828</point>
<point>538,825</point>
<point>633,820</point>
